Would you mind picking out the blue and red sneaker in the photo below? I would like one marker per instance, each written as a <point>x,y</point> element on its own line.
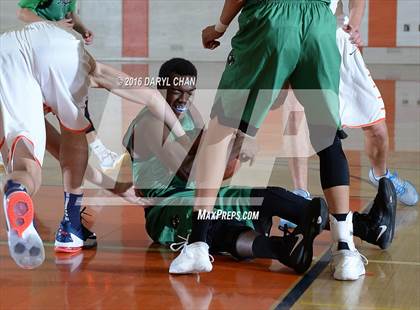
<point>67,238</point>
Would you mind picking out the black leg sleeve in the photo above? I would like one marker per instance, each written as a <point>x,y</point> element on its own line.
<point>333,165</point>
<point>280,202</point>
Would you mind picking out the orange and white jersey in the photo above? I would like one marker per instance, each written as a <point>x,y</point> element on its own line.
<point>361,103</point>
<point>41,63</point>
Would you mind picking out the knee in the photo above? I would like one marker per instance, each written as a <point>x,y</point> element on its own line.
<point>334,168</point>
<point>377,132</point>
<point>333,151</point>
<point>73,140</point>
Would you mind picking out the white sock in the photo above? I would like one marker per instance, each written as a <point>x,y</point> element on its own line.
<point>342,231</point>
<point>386,175</point>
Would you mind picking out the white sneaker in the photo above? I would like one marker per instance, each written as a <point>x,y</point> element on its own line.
<point>346,264</point>
<point>107,159</point>
<point>406,192</point>
<point>25,245</point>
<point>194,258</point>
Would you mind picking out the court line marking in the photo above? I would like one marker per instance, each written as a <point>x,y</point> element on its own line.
<point>341,306</point>
<point>303,284</point>
<point>394,262</point>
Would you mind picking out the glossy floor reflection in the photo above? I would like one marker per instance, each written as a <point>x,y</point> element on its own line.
<point>127,272</point>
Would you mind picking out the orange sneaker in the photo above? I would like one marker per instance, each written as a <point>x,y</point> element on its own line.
<point>25,245</point>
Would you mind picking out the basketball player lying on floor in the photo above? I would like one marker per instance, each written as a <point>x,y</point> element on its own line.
<point>59,74</point>
<point>161,170</point>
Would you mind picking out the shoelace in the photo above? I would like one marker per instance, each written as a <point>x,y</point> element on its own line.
<point>285,230</point>
<point>176,246</point>
<point>364,258</point>
<point>399,184</point>
<point>355,253</point>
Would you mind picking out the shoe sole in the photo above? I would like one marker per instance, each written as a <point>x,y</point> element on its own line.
<point>90,244</point>
<point>61,249</point>
<point>313,225</point>
<point>347,277</point>
<point>390,199</point>
<point>197,269</point>
<point>66,247</point>
<point>25,245</point>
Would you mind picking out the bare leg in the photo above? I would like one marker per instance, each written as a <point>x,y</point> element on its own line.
<point>298,167</point>
<point>73,160</point>
<point>376,146</point>
<point>338,199</point>
<point>53,140</point>
<point>92,175</point>
<point>211,164</point>
<point>25,170</point>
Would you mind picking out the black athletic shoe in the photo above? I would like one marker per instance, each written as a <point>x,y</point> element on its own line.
<point>89,237</point>
<point>263,225</point>
<point>378,226</point>
<point>300,241</point>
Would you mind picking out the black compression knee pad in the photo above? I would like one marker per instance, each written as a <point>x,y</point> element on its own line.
<point>333,165</point>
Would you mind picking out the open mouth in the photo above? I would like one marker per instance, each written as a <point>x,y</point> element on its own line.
<point>181,108</point>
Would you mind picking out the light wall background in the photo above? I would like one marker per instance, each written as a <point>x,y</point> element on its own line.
<point>160,29</point>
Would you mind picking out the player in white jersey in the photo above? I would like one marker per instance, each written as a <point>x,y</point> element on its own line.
<point>361,106</point>
<point>44,63</point>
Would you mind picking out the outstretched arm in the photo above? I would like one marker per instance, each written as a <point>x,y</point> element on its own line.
<point>357,9</point>
<point>110,78</point>
<point>211,33</point>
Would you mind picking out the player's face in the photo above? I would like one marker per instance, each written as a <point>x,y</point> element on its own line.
<point>180,94</point>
